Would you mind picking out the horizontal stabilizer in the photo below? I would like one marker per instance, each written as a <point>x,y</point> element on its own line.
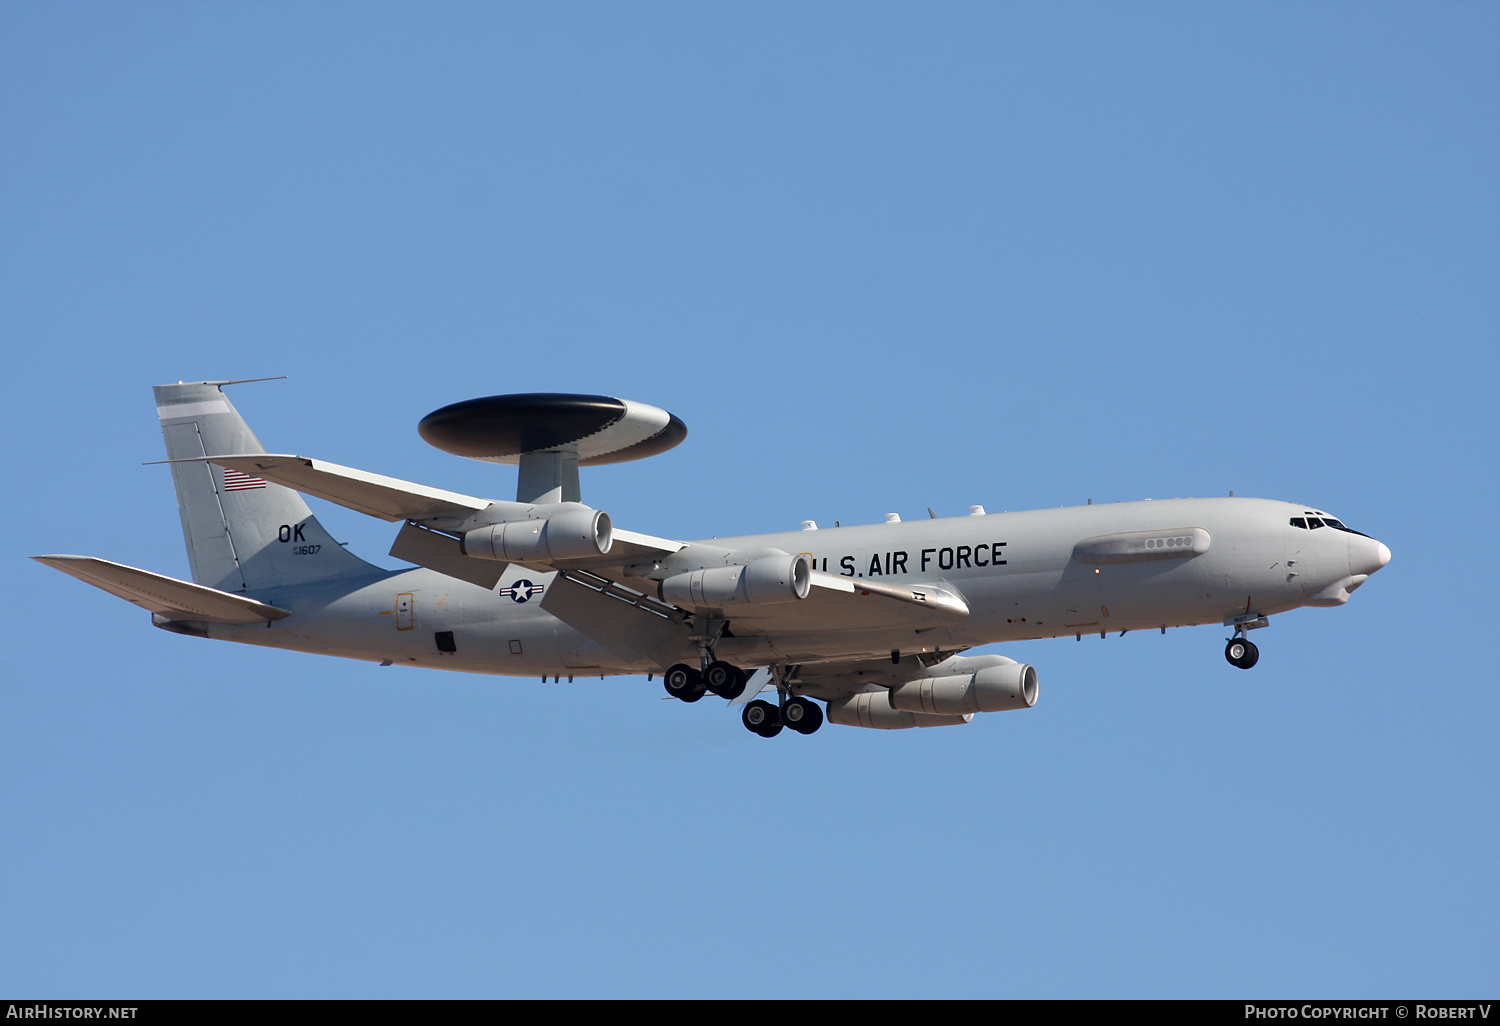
<point>372,494</point>
<point>173,599</point>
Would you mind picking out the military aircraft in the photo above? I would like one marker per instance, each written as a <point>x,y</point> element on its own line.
<point>871,620</point>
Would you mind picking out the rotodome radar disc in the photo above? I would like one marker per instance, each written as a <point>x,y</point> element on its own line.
<point>599,428</point>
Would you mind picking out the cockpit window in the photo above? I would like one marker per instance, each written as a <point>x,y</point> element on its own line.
<point>1311,523</point>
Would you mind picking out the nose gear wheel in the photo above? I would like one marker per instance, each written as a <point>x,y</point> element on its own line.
<point>1241,653</point>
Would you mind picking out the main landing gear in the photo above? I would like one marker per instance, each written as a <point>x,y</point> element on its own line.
<point>688,684</point>
<point>762,718</point>
<point>728,681</point>
<point>684,682</point>
<point>765,719</point>
<point>800,714</point>
<point>724,680</point>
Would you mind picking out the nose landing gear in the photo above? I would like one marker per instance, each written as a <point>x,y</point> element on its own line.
<point>1240,650</point>
<point>1241,653</point>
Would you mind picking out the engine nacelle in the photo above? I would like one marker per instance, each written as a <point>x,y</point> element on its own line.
<point>992,689</point>
<point>768,579</point>
<point>873,709</point>
<point>571,535</point>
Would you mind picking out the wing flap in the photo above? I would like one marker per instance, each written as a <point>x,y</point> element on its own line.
<point>628,623</point>
<point>637,546</point>
<point>174,599</point>
<point>443,553</point>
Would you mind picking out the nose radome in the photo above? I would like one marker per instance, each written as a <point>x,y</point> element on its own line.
<point>1366,555</point>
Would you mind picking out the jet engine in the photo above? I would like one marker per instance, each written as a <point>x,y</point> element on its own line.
<point>574,534</point>
<point>991,689</point>
<point>873,709</point>
<point>767,579</point>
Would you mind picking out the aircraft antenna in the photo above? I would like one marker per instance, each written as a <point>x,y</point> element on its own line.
<point>549,435</point>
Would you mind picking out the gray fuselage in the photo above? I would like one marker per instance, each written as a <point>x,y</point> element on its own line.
<point>1018,573</point>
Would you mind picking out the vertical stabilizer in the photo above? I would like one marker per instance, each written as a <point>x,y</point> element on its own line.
<point>242,533</point>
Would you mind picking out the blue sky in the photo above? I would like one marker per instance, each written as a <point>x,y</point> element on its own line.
<point>879,257</point>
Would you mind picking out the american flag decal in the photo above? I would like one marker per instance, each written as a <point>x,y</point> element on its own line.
<point>234,481</point>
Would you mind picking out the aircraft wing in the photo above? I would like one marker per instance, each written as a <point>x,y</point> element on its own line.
<point>624,615</point>
<point>631,622</point>
<point>924,600</point>
<point>628,547</point>
<point>837,603</point>
<point>174,599</point>
<point>375,495</point>
<point>392,499</point>
<point>443,553</point>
